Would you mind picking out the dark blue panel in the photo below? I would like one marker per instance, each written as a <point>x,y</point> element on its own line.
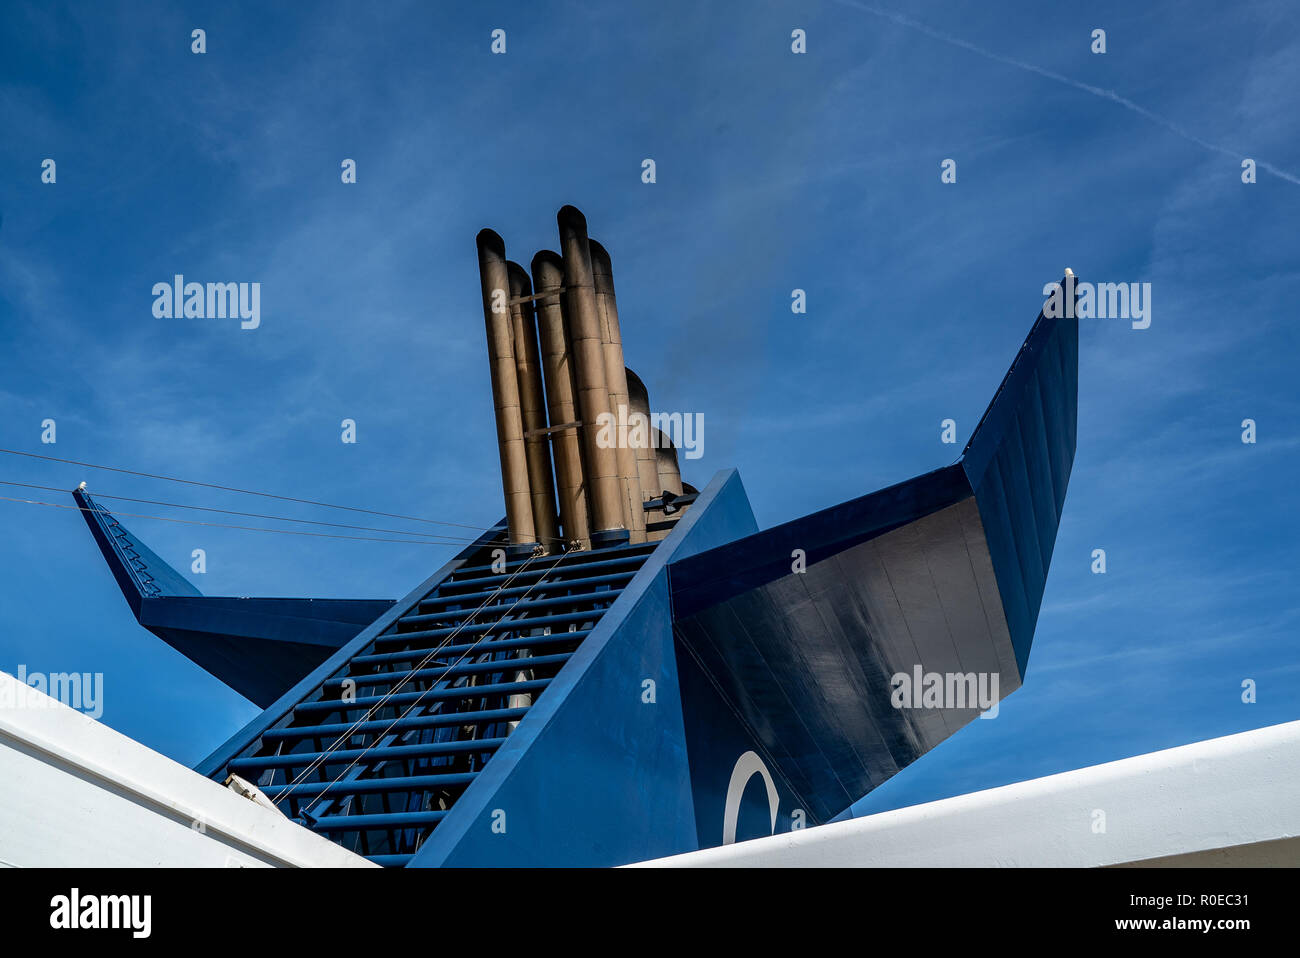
<point>327,623</point>
<point>717,575</point>
<point>259,671</point>
<point>596,775</point>
<point>1019,461</point>
<point>138,571</point>
<point>804,660</point>
<point>756,666</point>
<point>996,515</point>
<point>277,712</point>
<point>717,743</point>
<point>259,647</point>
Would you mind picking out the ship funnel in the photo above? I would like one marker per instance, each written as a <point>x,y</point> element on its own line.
<point>647,468</point>
<point>580,458</point>
<point>587,353</point>
<point>561,405</point>
<point>532,405</point>
<point>670,477</point>
<point>495,278</point>
<point>616,381</point>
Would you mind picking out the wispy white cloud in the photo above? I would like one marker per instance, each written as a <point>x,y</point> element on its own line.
<point>1174,128</point>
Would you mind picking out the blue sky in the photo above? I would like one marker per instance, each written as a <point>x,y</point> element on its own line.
<point>775,171</point>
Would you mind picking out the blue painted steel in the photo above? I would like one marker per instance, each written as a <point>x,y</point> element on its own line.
<point>597,775</point>
<point>700,669</point>
<point>139,572</point>
<point>371,769</point>
<point>736,568</point>
<point>377,679</point>
<point>459,599</point>
<point>1018,462</point>
<point>528,642</point>
<point>914,576</point>
<point>717,739</point>
<point>275,714</point>
<point>257,646</point>
<point>347,754</point>
<point>481,717</point>
<point>352,823</point>
<point>331,705</point>
<point>536,621</point>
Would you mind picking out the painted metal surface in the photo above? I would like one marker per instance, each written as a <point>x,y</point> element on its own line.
<point>79,794</point>
<point>719,685</point>
<point>616,382</point>
<point>532,408</point>
<point>258,646</point>
<point>1018,462</point>
<point>1225,801</point>
<point>380,748</point>
<point>803,629</point>
<point>597,774</point>
<point>601,474</point>
<point>805,662</point>
<point>561,403</point>
<point>495,279</point>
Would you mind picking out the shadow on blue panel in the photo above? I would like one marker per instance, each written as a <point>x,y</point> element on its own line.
<point>798,637</point>
<point>259,647</point>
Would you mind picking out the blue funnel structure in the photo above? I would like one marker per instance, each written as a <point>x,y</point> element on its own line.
<point>938,576</point>
<point>259,647</point>
<point>613,705</point>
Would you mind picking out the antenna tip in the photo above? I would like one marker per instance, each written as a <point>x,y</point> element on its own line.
<point>1068,271</point>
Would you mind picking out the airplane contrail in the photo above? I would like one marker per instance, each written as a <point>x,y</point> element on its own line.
<point>1097,91</point>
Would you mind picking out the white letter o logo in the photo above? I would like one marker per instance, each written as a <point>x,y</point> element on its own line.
<point>747,766</point>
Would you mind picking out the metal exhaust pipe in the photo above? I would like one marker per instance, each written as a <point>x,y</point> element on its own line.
<point>670,477</point>
<point>601,469</point>
<point>616,381</point>
<point>505,390</point>
<point>647,468</point>
<point>537,448</point>
<point>557,370</point>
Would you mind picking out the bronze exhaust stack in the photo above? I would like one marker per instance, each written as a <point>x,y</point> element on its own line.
<point>557,369</point>
<point>537,448</point>
<point>647,467</point>
<point>616,381</point>
<point>505,390</point>
<point>670,477</point>
<point>601,469</point>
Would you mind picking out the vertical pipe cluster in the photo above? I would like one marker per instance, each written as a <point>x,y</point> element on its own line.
<point>582,321</point>
<point>577,465</point>
<point>647,467</point>
<point>532,406</point>
<point>616,381</point>
<point>505,389</point>
<point>561,405</point>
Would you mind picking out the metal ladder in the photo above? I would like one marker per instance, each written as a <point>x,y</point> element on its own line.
<point>377,754</point>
